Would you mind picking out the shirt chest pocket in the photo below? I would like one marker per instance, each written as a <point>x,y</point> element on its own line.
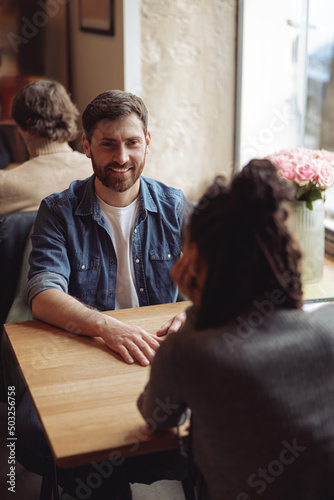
<point>162,261</point>
<point>85,273</point>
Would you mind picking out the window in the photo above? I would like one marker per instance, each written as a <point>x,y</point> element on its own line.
<point>285,78</point>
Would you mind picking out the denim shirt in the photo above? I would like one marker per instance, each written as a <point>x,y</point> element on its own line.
<point>72,249</point>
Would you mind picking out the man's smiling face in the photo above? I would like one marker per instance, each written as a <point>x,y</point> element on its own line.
<point>118,151</point>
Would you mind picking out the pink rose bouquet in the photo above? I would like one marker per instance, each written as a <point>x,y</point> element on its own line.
<point>311,170</point>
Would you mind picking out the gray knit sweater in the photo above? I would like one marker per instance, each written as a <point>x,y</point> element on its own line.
<point>261,392</point>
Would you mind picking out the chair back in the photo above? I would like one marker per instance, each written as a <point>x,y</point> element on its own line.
<point>14,254</point>
<point>14,231</point>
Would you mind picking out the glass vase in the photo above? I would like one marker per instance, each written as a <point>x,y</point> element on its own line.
<point>307,227</point>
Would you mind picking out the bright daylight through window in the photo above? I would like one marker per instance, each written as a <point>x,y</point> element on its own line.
<point>286,85</point>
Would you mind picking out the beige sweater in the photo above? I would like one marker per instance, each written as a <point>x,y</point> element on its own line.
<point>52,170</point>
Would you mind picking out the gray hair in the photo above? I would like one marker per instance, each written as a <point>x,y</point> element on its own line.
<point>44,108</point>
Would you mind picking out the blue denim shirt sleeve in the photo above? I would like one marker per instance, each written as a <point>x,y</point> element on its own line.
<point>44,281</point>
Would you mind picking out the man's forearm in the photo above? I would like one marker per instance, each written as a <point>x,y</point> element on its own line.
<point>60,309</point>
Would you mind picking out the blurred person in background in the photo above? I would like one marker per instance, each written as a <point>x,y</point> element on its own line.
<point>46,118</point>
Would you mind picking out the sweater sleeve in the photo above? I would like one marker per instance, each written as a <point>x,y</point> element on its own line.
<point>161,403</point>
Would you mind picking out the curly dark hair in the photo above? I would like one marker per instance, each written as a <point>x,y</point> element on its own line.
<point>45,109</point>
<point>111,105</point>
<point>241,232</point>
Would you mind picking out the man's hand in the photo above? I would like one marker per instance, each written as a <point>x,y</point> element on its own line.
<point>172,325</point>
<point>131,342</point>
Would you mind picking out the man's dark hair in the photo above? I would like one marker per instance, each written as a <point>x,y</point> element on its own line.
<point>240,229</point>
<point>45,109</point>
<point>111,105</point>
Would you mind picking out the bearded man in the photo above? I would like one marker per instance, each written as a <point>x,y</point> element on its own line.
<point>110,241</point>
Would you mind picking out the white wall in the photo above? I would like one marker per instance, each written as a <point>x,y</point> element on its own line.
<point>188,84</point>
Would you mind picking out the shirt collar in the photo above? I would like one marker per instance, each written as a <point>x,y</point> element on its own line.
<point>89,205</point>
<point>146,199</point>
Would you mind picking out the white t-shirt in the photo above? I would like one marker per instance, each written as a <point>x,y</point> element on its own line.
<point>121,223</point>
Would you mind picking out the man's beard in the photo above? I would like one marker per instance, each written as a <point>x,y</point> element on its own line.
<point>118,184</point>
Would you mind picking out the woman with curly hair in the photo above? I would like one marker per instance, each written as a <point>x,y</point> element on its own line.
<point>256,371</point>
<point>46,119</point>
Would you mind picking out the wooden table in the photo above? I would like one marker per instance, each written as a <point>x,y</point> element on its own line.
<point>84,394</point>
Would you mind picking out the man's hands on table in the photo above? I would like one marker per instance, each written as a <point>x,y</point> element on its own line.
<point>131,342</point>
<point>134,343</point>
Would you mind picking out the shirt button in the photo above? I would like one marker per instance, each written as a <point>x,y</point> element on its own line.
<point>111,293</point>
<point>135,230</point>
<point>112,262</point>
<point>169,256</point>
<point>137,261</point>
<point>83,266</point>
<point>141,289</point>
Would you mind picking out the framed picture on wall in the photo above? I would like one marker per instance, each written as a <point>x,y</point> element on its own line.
<point>97,16</point>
